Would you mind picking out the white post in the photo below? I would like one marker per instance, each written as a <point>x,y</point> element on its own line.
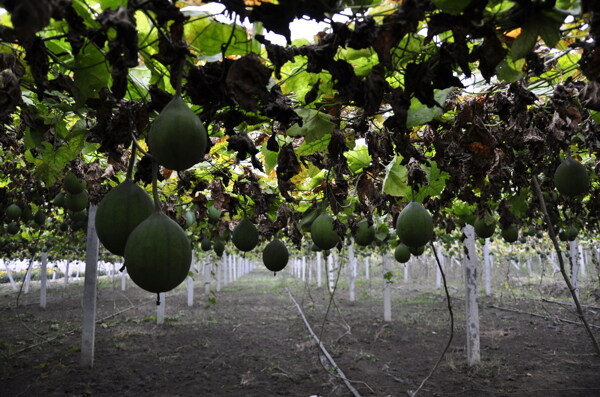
<point>225,269</point>
<point>303,269</point>
<point>190,291</point>
<point>10,277</point>
<point>471,263</point>
<point>235,267</point>
<point>319,268</point>
<point>406,269</point>
<point>487,267</point>
<point>574,266</point>
<point>28,276</point>
<point>43,280</point>
<point>330,276</point>
<point>582,258</point>
<point>88,330</point>
<point>207,276</point>
<point>351,270</point>
<point>218,274</point>
<point>367,268</point>
<point>160,309</point>
<point>67,263</point>
<point>124,280</point>
<point>387,295</point>
<point>438,273</point>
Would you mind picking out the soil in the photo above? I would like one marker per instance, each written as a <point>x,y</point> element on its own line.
<point>250,340</point>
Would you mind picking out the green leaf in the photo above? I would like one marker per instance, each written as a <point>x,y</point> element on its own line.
<point>549,27</point>
<point>525,42</point>
<point>506,72</point>
<point>463,211</point>
<point>452,6</point>
<point>114,4</point>
<point>358,158</point>
<point>207,36</point>
<point>314,127</point>
<point>395,182</point>
<point>320,145</point>
<point>419,114</point>
<point>518,204</point>
<point>270,159</point>
<point>91,72</point>
<point>436,181</point>
<point>49,168</point>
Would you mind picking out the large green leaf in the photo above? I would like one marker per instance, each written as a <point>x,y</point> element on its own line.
<point>208,37</point>
<point>315,125</point>
<point>319,145</point>
<point>525,42</point>
<point>358,158</point>
<point>436,181</point>
<point>395,182</point>
<point>49,166</point>
<point>419,114</point>
<point>91,72</point>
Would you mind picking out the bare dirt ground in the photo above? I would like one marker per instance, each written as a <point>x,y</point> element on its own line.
<point>253,342</point>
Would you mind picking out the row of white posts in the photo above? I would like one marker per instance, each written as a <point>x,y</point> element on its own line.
<point>470,265</point>
<point>43,265</point>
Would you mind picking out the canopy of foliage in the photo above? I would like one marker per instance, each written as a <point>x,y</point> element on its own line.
<point>453,103</point>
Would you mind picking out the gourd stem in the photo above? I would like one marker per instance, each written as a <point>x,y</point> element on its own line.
<point>155,186</point>
<point>131,161</point>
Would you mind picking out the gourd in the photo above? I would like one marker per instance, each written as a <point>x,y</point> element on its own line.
<point>402,253</point>
<point>322,232</point>
<point>414,225</point>
<point>119,212</point>
<point>245,235</point>
<point>177,138</point>
<point>158,254</point>
<point>571,178</point>
<point>275,256</point>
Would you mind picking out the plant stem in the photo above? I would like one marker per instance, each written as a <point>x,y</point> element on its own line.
<point>155,186</point>
<point>580,314</point>
<point>131,161</point>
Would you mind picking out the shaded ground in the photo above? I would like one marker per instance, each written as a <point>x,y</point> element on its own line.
<point>252,342</point>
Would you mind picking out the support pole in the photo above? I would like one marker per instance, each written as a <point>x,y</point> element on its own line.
<point>160,309</point>
<point>10,277</point>
<point>488,267</point>
<point>319,269</point>
<point>207,275</point>
<point>387,290</point>
<point>88,330</point>
<point>124,280</point>
<point>574,266</point>
<point>28,276</point>
<point>43,279</point>
<point>470,265</point>
<point>351,271</point>
<point>190,291</point>
<point>438,273</point>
